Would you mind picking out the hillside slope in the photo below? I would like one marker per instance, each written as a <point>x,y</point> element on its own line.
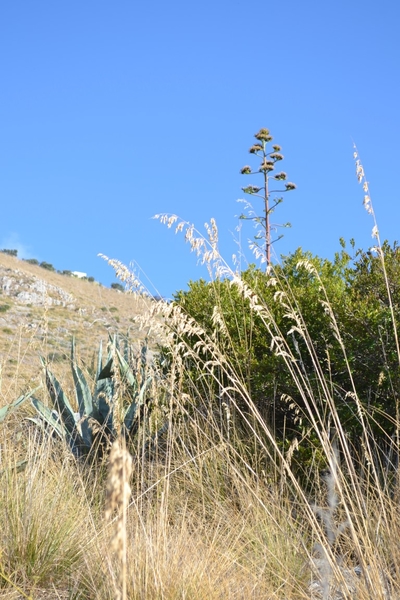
<point>41,310</point>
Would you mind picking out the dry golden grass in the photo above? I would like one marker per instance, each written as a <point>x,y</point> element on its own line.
<point>185,536</point>
<point>199,525</point>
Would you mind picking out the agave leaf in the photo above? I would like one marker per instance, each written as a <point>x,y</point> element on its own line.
<point>126,372</point>
<point>103,395</point>
<point>39,422</point>
<point>130,415</point>
<point>74,439</point>
<point>49,417</point>
<point>144,389</point>
<point>9,408</point>
<point>107,370</point>
<point>139,399</point>
<point>104,392</point>
<point>99,361</point>
<point>96,414</point>
<point>84,398</point>
<point>143,357</point>
<point>60,401</point>
<point>126,350</point>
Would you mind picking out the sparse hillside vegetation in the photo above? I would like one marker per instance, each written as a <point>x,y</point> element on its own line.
<point>41,311</point>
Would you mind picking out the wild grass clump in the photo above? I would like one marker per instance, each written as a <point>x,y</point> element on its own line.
<point>44,513</point>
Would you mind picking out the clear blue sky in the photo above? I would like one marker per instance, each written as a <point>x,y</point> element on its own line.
<point>112,112</point>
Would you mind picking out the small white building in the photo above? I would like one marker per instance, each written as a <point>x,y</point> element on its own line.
<point>78,274</point>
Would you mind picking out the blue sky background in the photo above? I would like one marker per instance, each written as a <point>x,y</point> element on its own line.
<point>112,112</point>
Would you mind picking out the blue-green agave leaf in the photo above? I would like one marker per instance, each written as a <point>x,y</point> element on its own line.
<point>108,370</point>
<point>126,349</point>
<point>131,415</point>
<point>143,357</point>
<point>139,399</point>
<point>103,395</point>
<point>104,392</point>
<point>144,389</point>
<point>60,401</point>
<point>51,419</point>
<point>99,360</point>
<point>126,372</point>
<point>9,408</point>
<point>84,398</point>
<point>74,439</point>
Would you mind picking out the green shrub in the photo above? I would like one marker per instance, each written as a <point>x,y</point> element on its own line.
<point>4,307</point>
<point>46,265</point>
<point>118,287</point>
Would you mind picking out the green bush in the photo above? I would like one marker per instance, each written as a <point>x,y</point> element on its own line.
<point>48,266</point>
<point>117,286</point>
<point>331,317</point>
<point>4,307</point>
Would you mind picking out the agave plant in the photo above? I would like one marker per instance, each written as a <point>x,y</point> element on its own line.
<point>115,406</point>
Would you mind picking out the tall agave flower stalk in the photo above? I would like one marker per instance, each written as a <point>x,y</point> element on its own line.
<point>270,202</point>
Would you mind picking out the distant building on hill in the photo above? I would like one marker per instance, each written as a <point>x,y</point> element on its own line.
<point>78,274</point>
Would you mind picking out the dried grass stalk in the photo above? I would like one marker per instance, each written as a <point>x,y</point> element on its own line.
<point>118,495</point>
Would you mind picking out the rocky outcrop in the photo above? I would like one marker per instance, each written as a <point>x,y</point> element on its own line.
<point>29,289</point>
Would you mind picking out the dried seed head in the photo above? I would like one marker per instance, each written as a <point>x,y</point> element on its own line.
<point>290,186</point>
<point>276,148</point>
<point>367,204</point>
<point>276,156</point>
<point>119,492</point>
<point>359,171</point>
<point>256,148</point>
<point>267,165</point>
<point>251,189</point>
<point>120,469</point>
<point>246,170</point>
<point>263,135</point>
<point>281,176</point>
